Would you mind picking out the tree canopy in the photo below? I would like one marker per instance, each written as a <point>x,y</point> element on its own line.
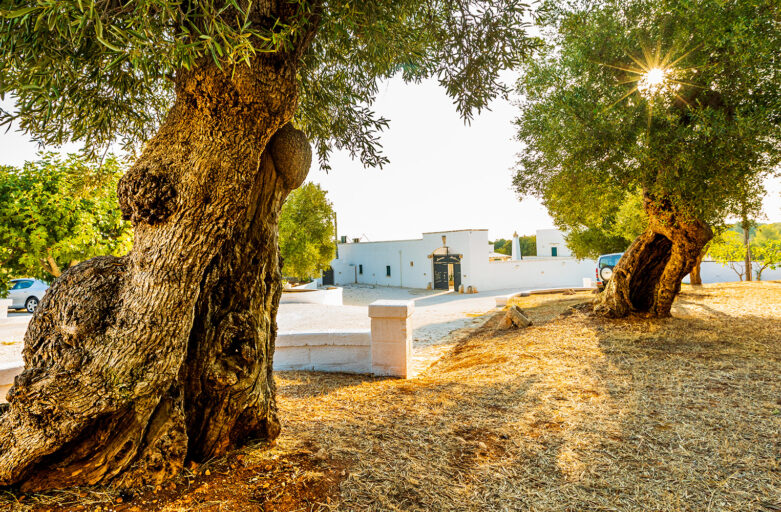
<point>676,99</point>
<point>306,232</point>
<point>528,245</point>
<point>55,212</point>
<point>101,70</point>
<point>608,226</point>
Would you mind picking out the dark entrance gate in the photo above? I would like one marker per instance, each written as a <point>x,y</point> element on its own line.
<point>445,267</point>
<point>328,277</point>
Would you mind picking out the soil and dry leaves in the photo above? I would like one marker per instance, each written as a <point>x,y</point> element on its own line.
<point>573,413</point>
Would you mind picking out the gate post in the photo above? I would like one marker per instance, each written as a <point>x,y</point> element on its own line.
<point>391,337</point>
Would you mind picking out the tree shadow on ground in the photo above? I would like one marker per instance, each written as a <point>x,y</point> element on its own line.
<point>574,413</point>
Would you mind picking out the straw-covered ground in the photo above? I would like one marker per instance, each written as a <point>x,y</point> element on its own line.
<point>572,414</point>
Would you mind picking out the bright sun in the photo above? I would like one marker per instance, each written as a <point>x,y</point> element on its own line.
<point>652,81</point>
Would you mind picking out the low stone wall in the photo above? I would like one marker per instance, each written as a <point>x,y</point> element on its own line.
<point>327,296</point>
<point>386,349</point>
<point>325,351</point>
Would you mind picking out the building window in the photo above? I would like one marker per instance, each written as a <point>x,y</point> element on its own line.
<point>554,251</point>
<point>387,270</point>
<point>360,269</point>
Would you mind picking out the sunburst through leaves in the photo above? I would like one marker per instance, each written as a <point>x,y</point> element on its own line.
<point>655,78</point>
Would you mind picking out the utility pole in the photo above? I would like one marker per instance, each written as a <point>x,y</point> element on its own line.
<point>746,224</point>
<point>336,236</point>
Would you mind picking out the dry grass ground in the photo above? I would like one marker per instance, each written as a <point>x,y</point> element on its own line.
<point>572,414</point>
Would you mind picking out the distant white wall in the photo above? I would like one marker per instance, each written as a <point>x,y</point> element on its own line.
<point>535,273</point>
<point>714,272</point>
<point>547,239</point>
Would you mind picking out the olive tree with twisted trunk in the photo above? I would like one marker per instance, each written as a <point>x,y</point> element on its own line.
<point>136,364</point>
<point>678,100</point>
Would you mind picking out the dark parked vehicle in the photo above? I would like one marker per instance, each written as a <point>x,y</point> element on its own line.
<point>604,271</point>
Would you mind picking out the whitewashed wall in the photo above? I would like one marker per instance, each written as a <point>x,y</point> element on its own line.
<point>535,273</point>
<point>713,272</point>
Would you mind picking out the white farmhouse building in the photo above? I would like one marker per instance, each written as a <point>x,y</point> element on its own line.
<point>550,242</point>
<point>447,259</point>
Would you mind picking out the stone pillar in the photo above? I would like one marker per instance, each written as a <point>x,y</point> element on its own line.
<point>391,337</point>
<point>4,305</point>
<point>516,252</point>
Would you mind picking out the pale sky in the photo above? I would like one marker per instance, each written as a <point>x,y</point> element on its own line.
<point>443,175</point>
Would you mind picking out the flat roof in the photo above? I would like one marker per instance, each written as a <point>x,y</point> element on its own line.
<point>410,239</point>
<point>380,241</point>
<point>451,231</point>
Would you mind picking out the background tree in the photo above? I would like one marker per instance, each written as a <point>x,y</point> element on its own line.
<point>528,245</point>
<point>677,99</point>
<point>767,254</point>
<point>728,249</point>
<point>172,359</point>
<point>56,212</point>
<point>766,232</point>
<point>306,232</point>
<point>503,246</point>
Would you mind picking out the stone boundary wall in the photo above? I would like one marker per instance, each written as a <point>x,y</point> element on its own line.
<point>386,349</point>
<point>324,351</point>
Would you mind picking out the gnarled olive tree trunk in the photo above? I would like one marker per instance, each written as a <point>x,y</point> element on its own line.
<point>135,364</point>
<point>648,276</point>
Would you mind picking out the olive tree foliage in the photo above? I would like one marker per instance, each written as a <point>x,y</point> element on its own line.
<point>608,226</point>
<point>102,71</point>
<point>696,137</point>
<point>591,139</point>
<point>306,232</point>
<point>56,212</point>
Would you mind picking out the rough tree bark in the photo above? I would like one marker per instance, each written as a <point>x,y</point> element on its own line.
<point>135,364</point>
<point>648,277</point>
<point>696,274</point>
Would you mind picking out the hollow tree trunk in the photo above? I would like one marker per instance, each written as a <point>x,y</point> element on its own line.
<point>135,364</point>
<point>648,276</point>
<point>696,274</point>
